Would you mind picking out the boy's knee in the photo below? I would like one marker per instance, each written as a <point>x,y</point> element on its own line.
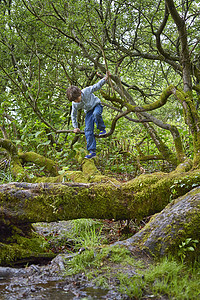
<point>97,115</point>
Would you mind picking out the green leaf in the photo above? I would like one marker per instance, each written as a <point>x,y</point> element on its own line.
<point>38,133</point>
<point>190,249</point>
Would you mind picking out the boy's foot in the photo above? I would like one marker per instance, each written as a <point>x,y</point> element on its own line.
<point>102,132</point>
<point>91,155</point>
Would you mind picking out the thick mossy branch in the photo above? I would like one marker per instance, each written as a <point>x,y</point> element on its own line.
<point>197,88</point>
<point>112,98</point>
<point>142,157</point>
<point>48,164</point>
<point>17,169</point>
<point>192,120</point>
<point>180,153</point>
<point>164,150</point>
<point>191,114</point>
<point>148,107</point>
<point>183,167</point>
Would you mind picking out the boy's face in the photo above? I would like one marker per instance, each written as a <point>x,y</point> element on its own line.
<point>78,100</point>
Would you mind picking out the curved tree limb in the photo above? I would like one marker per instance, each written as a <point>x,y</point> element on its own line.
<point>49,165</point>
<point>141,112</point>
<point>158,34</point>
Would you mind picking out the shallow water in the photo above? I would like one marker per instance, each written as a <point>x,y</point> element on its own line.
<point>24,285</point>
<point>49,291</point>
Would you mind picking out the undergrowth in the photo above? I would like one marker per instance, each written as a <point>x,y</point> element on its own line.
<point>5,176</point>
<point>132,276</point>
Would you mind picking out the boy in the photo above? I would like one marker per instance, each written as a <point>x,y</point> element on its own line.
<point>92,106</point>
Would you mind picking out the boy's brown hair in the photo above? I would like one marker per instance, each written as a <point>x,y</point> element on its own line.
<point>73,92</point>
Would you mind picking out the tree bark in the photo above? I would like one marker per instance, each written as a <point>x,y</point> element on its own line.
<point>166,230</point>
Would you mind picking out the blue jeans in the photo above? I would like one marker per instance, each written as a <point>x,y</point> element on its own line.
<point>93,116</point>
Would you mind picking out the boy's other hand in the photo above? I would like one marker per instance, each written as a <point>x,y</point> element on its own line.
<point>107,75</point>
<point>76,130</point>
<point>101,76</point>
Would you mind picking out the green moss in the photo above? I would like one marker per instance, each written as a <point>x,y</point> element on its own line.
<point>11,253</point>
<point>181,156</point>
<point>41,161</point>
<point>192,119</point>
<point>89,168</point>
<point>17,170</point>
<point>17,247</point>
<point>183,167</point>
<point>89,173</point>
<point>104,179</point>
<point>148,107</point>
<point>143,181</point>
<point>68,176</point>
<point>55,179</point>
<point>21,243</point>
<point>75,176</point>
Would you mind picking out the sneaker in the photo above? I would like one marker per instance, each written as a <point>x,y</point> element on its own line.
<point>102,132</point>
<point>91,155</point>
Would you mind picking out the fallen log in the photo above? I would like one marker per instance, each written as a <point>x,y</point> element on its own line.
<point>22,204</point>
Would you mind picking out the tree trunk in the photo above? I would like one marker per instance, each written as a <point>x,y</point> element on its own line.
<point>180,220</point>
<point>143,196</point>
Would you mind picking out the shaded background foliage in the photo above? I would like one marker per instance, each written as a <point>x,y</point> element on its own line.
<point>48,45</point>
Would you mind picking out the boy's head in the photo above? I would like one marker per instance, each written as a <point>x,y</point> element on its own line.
<point>73,92</point>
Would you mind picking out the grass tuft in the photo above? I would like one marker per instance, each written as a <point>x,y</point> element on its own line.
<point>135,277</point>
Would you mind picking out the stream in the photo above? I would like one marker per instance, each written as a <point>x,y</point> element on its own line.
<point>43,282</point>
<point>48,281</point>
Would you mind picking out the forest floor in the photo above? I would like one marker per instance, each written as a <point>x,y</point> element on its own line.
<point>93,277</point>
<point>89,265</point>
<point>95,272</point>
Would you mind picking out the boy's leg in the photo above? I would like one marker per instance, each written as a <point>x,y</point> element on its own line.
<point>97,113</point>
<point>89,131</point>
